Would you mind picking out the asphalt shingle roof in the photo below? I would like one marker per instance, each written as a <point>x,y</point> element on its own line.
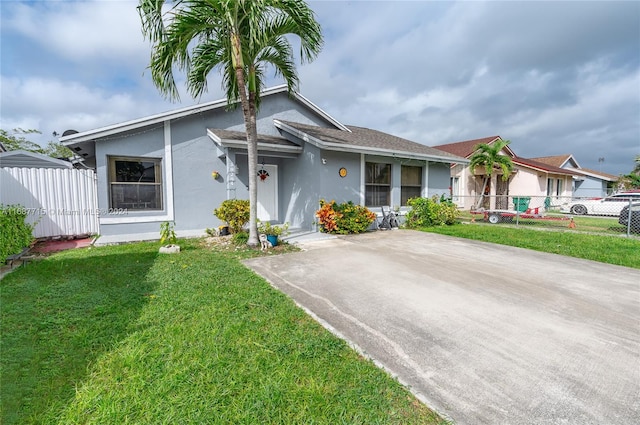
<point>556,160</point>
<point>559,160</point>
<point>466,148</point>
<point>241,136</point>
<point>368,138</point>
<point>599,173</point>
<point>542,166</point>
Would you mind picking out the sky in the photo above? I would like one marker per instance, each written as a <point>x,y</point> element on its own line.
<point>554,78</point>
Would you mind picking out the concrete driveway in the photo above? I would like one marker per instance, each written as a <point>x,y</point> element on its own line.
<point>484,334</point>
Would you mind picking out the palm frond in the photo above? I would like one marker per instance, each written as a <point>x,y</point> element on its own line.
<point>211,54</point>
<point>195,37</point>
<point>489,157</point>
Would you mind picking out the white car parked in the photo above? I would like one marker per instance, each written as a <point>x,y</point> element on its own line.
<point>611,205</point>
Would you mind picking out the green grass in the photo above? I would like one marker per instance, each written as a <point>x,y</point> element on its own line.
<point>618,250</point>
<point>604,225</point>
<point>121,334</point>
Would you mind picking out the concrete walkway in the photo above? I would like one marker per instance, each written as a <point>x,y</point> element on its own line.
<point>484,334</point>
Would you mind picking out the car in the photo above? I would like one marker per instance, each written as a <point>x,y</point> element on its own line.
<point>635,217</point>
<point>611,205</point>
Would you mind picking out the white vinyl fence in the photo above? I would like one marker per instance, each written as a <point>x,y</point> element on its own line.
<point>61,202</point>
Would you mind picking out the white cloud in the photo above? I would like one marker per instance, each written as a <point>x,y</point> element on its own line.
<point>82,31</point>
<point>548,76</point>
<point>50,105</point>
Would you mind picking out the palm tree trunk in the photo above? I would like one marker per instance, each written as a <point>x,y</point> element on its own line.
<point>484,187</point>
<point>249,113</point>
<point>252,152</point>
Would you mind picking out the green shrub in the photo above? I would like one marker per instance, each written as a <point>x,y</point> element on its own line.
<point>16,233</point>
<point>434,211</point>
<point>344,218</point>
<point>240,238</point>
<point>235,212</point>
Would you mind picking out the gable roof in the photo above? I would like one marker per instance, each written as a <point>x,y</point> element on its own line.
<point>597,174</point>
<point>238,139</point>
<point>182,112</point>
<point>561,160</point>
<point>26,159</point>
<point>558,160</point>
<point>541,166</point>
<point>364,140</point>
<point>467,147</point>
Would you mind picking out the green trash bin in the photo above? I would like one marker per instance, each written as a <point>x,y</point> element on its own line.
<point>521,203</point>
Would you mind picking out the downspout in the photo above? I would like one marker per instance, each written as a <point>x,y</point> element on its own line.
<point>231,174</point>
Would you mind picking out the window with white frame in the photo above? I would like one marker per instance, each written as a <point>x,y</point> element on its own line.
<point>410,183</point>
<point>135,183</point>
<point>559,187</point>
<point>377,184</point>
<point>455,189</point>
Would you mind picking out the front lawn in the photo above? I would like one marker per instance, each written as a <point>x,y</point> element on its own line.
<point>121,334</point>
<point>588,224</point>
<point>618,250</point>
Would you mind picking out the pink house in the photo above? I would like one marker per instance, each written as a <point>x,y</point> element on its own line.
<point>530,178</point>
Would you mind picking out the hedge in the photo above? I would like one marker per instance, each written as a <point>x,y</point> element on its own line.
<point>16,234</point>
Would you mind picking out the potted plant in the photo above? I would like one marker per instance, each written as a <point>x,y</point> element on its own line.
<point>168,234</point>
<point>273,231</point>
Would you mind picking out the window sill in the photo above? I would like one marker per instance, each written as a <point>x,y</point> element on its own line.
<point>125,219</point>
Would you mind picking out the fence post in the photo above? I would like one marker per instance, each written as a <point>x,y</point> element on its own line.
<point>629,219</point>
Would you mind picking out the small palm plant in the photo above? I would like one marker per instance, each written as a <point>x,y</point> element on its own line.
<point>167,233</point>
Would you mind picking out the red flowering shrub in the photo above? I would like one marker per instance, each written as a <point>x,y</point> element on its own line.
<point>343,218</point>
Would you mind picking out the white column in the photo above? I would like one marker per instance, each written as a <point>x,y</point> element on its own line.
<point>425,180</point>
<point>168,166</point>
<point>362,177</point>
<point>232,170</point>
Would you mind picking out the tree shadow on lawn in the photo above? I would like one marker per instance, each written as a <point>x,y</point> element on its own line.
<point>60,314</point>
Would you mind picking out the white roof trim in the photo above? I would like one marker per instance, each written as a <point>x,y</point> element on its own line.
<point>228,143</point>
<point>542,170</point>
<point>316,108</point>
<point>363,149</point>
<point>182,112</point>
<point>594,175</point>
<point>213,136</point>
<point>571,158</point>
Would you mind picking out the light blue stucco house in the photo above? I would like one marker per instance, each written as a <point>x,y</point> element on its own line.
<point>586,183</point>
<point>161,168</point>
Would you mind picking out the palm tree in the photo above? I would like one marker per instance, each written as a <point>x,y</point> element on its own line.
<point>237,37</point>
<point>489,156</point>
<point>631,180</point>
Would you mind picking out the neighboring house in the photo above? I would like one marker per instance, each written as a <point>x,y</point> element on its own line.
<point>529,178</point>
<point>159,168</point>
<point>587,183</point>
<point>26,159</point>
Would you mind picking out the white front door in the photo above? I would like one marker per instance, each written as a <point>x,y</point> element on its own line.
<point>268,193</point>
